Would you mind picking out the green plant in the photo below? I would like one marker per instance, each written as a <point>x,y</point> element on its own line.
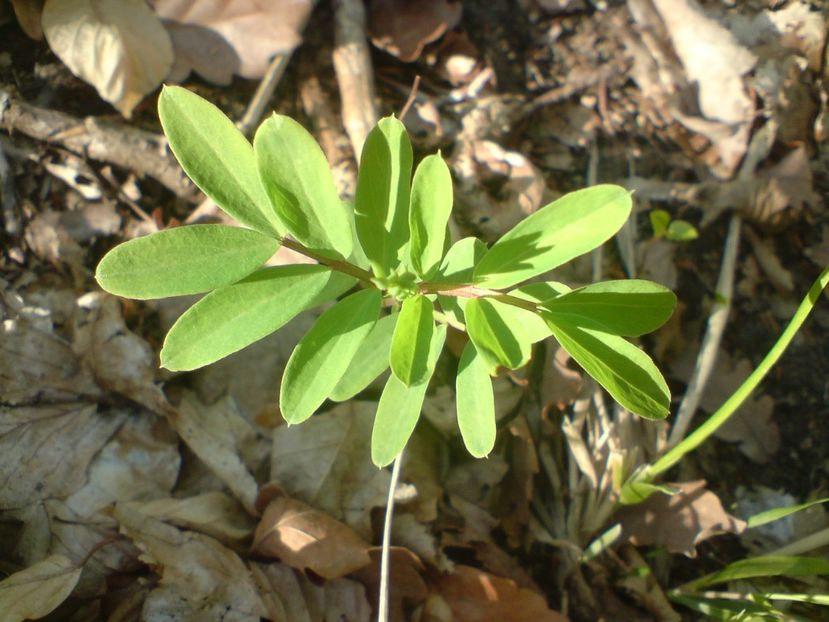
<point>389,256</point>
<point>674,230</point>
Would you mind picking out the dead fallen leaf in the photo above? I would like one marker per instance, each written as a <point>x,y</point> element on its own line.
<point>679,522</point>
<point>118,46</point>
<point>36,591</point>
<point>200,578</point>
<point>406,581</point>
<point>325,462</point>
<point>560,385</point>
<point>476,596</point>
<point>28,14</point>
<point>419,538</point>
<point>305,538</point>
<point>403,28</point>
<point>220,38</point>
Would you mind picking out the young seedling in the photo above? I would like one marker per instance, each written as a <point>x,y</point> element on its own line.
<point>388,263</point>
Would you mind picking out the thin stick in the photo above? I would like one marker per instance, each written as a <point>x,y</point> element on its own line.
<point>383,604</point>
<point>411,100</point>
<point>264,92</point>
<point>713,335</point>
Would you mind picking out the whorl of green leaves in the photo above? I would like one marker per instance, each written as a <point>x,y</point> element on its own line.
<point>396,314</point>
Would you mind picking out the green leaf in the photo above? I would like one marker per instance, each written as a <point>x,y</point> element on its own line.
<point>371,360</point>
<point>381,206</point>
<point>660,219</point>
<point>628,374</point>
<point>399,408</point>
<point>765,566</point>
<point>431,205</point>
<point>409,354</point>
<point>181,261</point>
<point>460,261</point>
<point>541,292</point>
<point>476,403</point>
<point>627,307</point>
<point>775,514</point>
<point>217,157</point>
<point>235,316</point>
<point>571,226</point>
<point>681,231</point>
<point>324,353</point>
<point>496,331</point>
<point>296,178</point>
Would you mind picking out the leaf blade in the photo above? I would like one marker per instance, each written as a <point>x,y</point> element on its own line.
<point>496,333</point>
<point>475,403</point>
<point>370,360</point>
<point>431,204</point>
<point>184,260</point>
<point>409,353</point>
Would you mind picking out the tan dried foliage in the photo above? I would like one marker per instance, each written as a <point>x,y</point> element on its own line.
<point>36,591</point>
<point>403,28</point>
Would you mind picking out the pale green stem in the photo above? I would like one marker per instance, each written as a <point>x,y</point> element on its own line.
<point>383,604</point>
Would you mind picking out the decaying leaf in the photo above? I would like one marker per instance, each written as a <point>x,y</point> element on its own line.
<point>403,28</point>
<point>220,38</point>
<point>305,538</point>
<point>679,522</point>
<point>561,385</point>
<point>118,46</point>
<point>406,581</point>
<point>36,591</point>
<point>28,14</point>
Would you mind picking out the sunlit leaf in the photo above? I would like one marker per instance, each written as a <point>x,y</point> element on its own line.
<point>412,338</point>
<point>185,260</point>
<point>541,292</point>
<point>399,408</point>
<point>496,331</point>
<point>381,206</point>
<point>371,360</point>
<point>460,261</point>
<point>324,353</point>
<point>476,403</point>
<point>235,316</point>
<point>571,226</point>
<point>431,204</point>
<point>775,514</point>
<point>660,219</point>
<point>217,157</point>
<point>297,180</point>
<point>681,231</point>
<point>764,566</point>
<point>628,307</point>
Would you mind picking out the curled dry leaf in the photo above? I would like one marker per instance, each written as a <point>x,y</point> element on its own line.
<point>680,521</point>
<point>305,538</point>
<point>36,591</point>
<point>403,28</point>
<point>28,14</point>
<point>220,38</point>
<point>561,385</point>
<point>406,581</point>
<point>118,46</point>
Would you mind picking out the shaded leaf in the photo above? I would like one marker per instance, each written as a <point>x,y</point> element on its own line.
<point>431,205</point>
<point>497,334</point>
<point>765,566</point>
<point>325,352</point>
<point>476,403</point>
<point>402,29</point>
<point>37,590</point>
<point>381,205</point>
<point>412,339</point>
<point>460,260</point>
<point>571,226</point>
<point>234,316</point>
<point>297,180</point>
<point>217,157</point>
<point>185,260</point>
<point>775,514</point>
<point>399,408</point>
<point>371,360</point>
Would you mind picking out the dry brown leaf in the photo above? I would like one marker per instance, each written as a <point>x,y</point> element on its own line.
<point>325,462</point>
<point>36,591</point>
<point>28,14</point>
<point>118,46</point>
<point>406,583</point>
<point>560,385</point>
<point>200,578</point>
<point>679,522</point>
<point>220,38</point>
<point>289,596</point>
<point>476,596</point>
<point>403,28</point>
<point>303,537</point>
<point>424,468</point>
<point>419,538</point>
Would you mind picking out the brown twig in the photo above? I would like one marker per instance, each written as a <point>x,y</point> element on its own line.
<point>411,99</point>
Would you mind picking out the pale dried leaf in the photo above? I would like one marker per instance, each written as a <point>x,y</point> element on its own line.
<point>118,46</point>
<point>403,28</point>
<point>418,537</point>
<point>325,462</point>
<point>560,385</point>
<point>679,522</point>
<point>36,591</point>
<point>220,38</point>
<point>28,14</point>
<point>200,576</point>
<point>303,537</point>
<point>406,582</point>
<point>424,467</point>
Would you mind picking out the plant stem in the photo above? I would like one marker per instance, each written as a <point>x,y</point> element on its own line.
<point>334,264</point>
<point>383,604</point>
<point>460,290</point>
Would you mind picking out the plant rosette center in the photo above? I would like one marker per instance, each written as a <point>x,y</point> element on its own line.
<point>400,285</point>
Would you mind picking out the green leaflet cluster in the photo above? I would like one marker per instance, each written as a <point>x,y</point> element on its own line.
<point>388,265</point>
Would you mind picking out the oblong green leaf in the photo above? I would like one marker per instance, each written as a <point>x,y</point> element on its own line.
<point>497,333</point>
<point>235,316</point>
<point>629,307</point>
<point>476,403</point>
<point>371,360</point>
<point>775,514</point>
<point>217,157</point>
<point>297,180</point>
<point>628,374</point>
<point>571,226</point>
<point>412,335</point>
<point>431,204</point>
<point>399,408</point>
<point>541,292</point>
<point>763,566</point>
<point>181,261</point>
<point>381,203</point>
<point>324,353</point>
<point>460,260</point>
